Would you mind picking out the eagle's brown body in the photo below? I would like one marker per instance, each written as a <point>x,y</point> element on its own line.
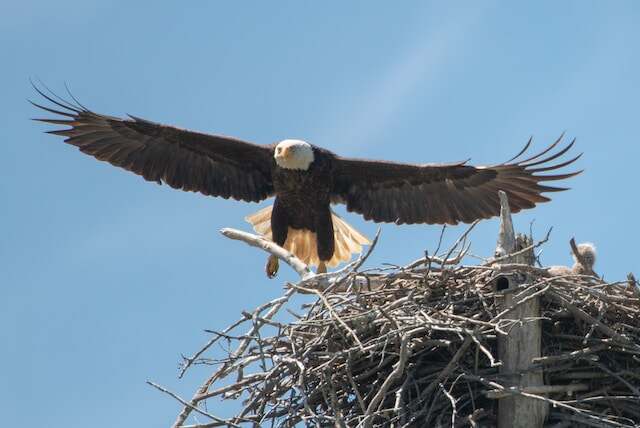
<point>303,201</point>
<point>306,180</point>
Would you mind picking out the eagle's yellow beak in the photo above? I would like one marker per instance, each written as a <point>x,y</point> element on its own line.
<point>283,152</point>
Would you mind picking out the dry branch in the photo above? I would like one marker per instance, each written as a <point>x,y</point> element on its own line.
<point>270,247</point>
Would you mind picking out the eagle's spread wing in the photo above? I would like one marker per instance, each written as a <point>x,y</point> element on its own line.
<point>210,164</point>
<point>449,193</point>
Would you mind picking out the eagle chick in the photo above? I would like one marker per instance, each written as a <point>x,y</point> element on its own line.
<point>583,262</point>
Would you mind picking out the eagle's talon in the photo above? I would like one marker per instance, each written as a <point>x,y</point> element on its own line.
<point>272,267</point>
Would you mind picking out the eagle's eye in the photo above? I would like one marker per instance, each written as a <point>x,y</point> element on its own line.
<point>279,150</point>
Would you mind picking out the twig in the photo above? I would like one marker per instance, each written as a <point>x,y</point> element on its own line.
<point>192,407</point>
<point>579,313</point>
<point>552,359</point>
<point>332,280</point>
<point>393,376</point>
<point>540,390</point>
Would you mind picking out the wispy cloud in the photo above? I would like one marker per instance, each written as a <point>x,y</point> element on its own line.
<point>424,64</point>
<point>575,98</point>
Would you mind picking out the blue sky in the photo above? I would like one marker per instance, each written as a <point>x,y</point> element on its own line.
<point>105,279</point>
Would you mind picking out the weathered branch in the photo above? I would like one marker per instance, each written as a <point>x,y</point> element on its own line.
<point>393,376</point>
<point>218,420</point>
<point>506,236</point>
<point>539,390</point>
<point>270,247</point>
<point>523,343</point>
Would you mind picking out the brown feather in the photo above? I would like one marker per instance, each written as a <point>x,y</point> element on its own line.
<point>210,164</point>
<point>451,193</point>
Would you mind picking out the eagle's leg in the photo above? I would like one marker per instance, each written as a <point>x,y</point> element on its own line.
<point>325,239</point>
<point>279,231</point>
<point>322,267</point>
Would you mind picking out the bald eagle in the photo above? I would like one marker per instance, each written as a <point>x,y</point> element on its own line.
<point>306,180</point>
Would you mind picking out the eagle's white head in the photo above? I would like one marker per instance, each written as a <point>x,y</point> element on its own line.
<point>294,154</point>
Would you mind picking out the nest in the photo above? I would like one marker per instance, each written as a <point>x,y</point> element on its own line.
<point>418,346</point>
<point>432,344</point>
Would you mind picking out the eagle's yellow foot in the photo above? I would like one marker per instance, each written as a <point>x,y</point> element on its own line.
<point>322,268</point>
<point>272,266</point>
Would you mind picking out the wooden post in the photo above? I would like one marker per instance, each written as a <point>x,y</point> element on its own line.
<point>523,343</point>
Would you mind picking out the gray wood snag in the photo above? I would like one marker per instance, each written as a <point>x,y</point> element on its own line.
<point>517,350</point>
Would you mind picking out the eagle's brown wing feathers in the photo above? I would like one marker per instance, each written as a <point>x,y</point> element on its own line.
<point>381,191</point>
<point>450,193</point>
<point>209,164</point>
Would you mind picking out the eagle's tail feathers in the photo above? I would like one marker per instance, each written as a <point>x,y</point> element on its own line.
<point>261,221</point>
<point>303,244</point>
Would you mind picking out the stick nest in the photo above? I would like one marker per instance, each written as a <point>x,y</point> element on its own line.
<point>417,346</point>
